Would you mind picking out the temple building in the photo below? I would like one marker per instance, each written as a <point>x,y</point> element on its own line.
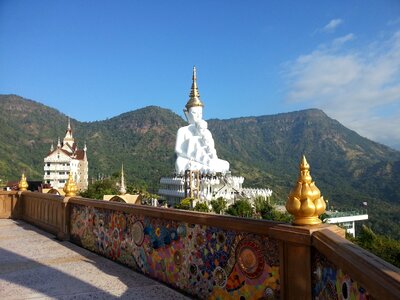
<point>64,159</point>
<point>199,173</point>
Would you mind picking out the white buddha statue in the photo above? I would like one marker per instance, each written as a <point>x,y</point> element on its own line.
<point>195,147</point>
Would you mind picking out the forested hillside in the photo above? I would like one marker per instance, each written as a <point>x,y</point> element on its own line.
<point>266,150</point>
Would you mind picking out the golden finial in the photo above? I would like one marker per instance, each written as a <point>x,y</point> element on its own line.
<point>23,184</point>
<point>70,188</point>
<point>194,96</point>
<point>305,202</point>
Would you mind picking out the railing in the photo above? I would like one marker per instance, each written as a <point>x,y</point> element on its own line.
<point>338,214</point>
<point>355,272</point>
<point>213,256</point>
<point>171,192</point>
<point>53,169</point>
<point>9,205</point>
<point>46,211</point>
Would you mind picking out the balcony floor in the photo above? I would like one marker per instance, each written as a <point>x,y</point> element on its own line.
<point>34,265</point>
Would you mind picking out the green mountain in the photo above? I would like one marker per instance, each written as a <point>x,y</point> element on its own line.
<point>266,150</point>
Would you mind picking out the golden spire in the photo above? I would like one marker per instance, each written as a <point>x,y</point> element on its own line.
<point>70,188</point>
<point>23,184</point>
<point>305,202</point>
<point>194,96</point>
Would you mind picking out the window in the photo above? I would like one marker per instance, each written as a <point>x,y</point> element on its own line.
<point>48,172</point>
<point>62,181</point>
<point>48,164</point>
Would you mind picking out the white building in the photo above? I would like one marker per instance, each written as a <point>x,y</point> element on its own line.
<point>66,158</point>
<point>346,220</point>
<point>207,188</point>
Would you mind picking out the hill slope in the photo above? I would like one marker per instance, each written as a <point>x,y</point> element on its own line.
<point>347,168</point>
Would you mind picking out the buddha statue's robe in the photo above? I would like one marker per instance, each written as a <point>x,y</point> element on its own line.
<point>195,150</point>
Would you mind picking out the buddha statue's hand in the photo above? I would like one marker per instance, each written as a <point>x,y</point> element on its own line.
<point>201,125</point>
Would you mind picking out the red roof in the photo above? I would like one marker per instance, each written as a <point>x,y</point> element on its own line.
<point>80,154</point>
<point>77,154</point>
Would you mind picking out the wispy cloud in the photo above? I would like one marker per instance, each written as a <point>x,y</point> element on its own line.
<point>341,40</point>
<point>360,88</point>
<point>332,25</point>
<point>393,22</point>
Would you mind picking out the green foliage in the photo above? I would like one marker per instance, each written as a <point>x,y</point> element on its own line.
<point>275,215</point>
<point>140,187</point>
<point>218,205</point>
<point>241,208</point>
<point>203,207</point>
<point>323,217</point>
<point>100,188</point>
<point>185,204</point>
<point>136,188</point>
<point>382,246</point>
<point>267,211</point>
<point>260,204</point>
<point>3,182</point>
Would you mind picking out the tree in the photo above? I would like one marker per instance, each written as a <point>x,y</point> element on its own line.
<point>278,216</point>
<point>139,187</point>
<point>100,188</point>
<point>241,208</point>
<point>201,206</point>
<point>218,205</point>
<point>260,205</point>
<point>185,204</point>
<point>382,246</point>
<point>3,182</point>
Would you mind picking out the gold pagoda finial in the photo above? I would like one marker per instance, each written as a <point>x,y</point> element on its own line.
<point>23,184</point>
<point>305,202</point>
<point>194,96</point>
<point>70,188</point>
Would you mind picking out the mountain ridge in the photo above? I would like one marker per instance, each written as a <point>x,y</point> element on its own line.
<point>266,150</point>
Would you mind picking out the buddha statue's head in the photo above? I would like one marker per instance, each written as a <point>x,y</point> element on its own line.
<point>194,114</point>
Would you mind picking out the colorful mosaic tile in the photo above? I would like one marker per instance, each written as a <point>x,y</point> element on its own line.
<point>204,261</point>
<point>330,282</point>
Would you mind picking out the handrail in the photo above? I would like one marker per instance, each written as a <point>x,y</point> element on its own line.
<point>297,244</point>
<point>380,278</point>
<point>47,211</point>
<point>191,217</point>
<point>9,207</point>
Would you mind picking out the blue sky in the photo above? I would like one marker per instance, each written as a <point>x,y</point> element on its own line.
<point>93,60</point>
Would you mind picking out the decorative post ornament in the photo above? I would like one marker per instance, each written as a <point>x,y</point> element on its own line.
<point>70,188</point>
<point>23,184</point>
<point>305,202</point>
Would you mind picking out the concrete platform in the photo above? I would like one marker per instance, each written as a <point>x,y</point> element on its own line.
<point>34,265</point>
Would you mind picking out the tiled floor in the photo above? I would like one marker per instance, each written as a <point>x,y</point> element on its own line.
<point>34,265</point>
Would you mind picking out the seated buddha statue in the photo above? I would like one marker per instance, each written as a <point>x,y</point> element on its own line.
<point>195,148</point>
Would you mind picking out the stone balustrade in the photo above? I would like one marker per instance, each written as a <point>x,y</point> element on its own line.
<point>213,256</point>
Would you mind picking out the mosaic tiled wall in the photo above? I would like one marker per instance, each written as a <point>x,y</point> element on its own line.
<point>330,282</point>
<point>205,261</point>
